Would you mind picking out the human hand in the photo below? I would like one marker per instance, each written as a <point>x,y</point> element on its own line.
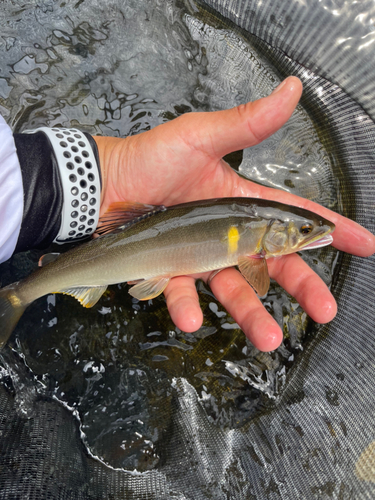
<point>181,161</point>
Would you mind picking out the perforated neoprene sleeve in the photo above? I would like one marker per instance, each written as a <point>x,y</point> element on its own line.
<point>43,194</point>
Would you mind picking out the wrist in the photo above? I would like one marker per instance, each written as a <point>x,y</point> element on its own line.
<point>111,151</point>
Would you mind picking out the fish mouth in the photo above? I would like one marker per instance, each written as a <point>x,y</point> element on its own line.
<point>318,243</point>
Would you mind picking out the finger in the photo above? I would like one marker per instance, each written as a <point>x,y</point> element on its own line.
<point>242,303</point>
<point>310,291</point>
<point>221,132</point>
<point>183,303</point>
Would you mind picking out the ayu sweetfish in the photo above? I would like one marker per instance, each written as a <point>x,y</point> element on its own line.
<point>149,245</point>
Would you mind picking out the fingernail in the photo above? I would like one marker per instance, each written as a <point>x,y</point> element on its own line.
<point>280,86</point>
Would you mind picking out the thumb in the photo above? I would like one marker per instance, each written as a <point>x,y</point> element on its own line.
<point>221,132</point>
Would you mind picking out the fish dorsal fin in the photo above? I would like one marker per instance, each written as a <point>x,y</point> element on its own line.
<point>88,297</point>
<point>47,258</point>
<point>149,289</point>
<point>122,214</point>
<point>255,271</point>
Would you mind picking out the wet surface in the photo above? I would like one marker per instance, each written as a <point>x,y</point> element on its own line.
<point>119,73</point>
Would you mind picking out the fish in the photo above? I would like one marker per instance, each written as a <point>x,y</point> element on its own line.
<point>147,245</point>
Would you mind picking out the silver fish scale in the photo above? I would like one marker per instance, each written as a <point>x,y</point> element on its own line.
<point>184,240</point>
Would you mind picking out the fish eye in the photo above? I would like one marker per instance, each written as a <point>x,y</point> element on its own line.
<point>306,229</point>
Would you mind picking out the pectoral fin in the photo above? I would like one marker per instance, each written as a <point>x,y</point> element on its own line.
<point>88,297</point>
<point>255,271</point>
<point>149,289</point>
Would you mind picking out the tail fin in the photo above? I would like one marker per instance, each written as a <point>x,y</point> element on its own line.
<point>11,309</point>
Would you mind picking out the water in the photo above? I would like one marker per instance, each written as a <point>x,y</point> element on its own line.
<point>106,75</point>
<point>121,71</point>
<point>293,159</point>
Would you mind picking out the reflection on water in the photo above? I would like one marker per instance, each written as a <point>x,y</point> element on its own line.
<point>118,72</point>
<point>293,159</point>
<point>75,64</point>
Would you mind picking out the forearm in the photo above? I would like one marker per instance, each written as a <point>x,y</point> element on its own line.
<point>50,188</point>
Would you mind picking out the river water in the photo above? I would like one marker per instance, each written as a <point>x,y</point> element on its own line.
<point>119,70</point>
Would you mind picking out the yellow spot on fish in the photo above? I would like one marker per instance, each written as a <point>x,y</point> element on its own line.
<point>14,300</point>
<point>233,239</point>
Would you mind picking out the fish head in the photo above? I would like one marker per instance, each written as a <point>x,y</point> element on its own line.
<point>297,230</point>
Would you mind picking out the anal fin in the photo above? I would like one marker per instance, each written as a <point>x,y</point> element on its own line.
<point>255,271</point>
<point>88,297</point>
<point>149,289</point>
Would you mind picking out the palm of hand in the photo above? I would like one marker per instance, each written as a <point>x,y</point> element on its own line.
<point>172,171</point>
<point>182,161</point>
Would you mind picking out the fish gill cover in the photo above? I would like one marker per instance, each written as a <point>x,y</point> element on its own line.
<point>120,403</point>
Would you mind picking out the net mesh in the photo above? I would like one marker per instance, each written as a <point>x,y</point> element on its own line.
<point>315,438</point>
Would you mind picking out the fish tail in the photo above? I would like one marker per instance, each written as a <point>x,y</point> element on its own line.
<point>11,309</point>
